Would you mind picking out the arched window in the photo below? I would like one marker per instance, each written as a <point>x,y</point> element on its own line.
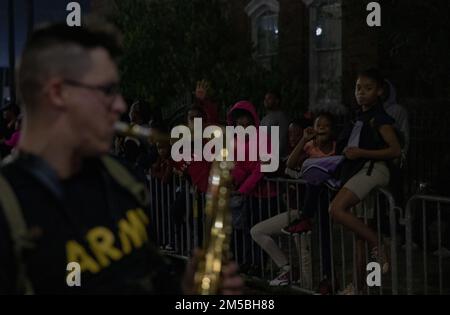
<point>264,21</point>
<point>325,59</point>
<point>267,28</point>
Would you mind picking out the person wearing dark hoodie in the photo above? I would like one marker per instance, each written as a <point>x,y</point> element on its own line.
<point>248,182</point>
<point>276,117</point>
<point>401,125</point>
<point>136,152</point>
<point>400,115</point>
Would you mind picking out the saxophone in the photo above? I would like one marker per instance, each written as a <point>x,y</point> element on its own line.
<point>136,131</point>
<point>216,245</point>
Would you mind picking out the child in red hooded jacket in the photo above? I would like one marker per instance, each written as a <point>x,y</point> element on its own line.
<point>253,200</point>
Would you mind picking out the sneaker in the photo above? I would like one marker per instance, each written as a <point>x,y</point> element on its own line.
<point>381,257</point>
<point>282,278</point>
<point>298,227</point>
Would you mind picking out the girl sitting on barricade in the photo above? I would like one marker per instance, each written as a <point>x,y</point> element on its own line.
<point>316,142</point>
<point>369,145</point>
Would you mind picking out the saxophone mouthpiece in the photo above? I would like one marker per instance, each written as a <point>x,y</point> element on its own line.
<point>137,131</point>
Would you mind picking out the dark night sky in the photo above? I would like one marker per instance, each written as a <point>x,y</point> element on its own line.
<point>45,11</point>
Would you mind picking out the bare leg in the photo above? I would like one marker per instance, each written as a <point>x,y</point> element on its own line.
<point>360,266</point>
<point>339,211</point>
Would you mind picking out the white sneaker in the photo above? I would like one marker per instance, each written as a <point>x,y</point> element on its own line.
<point>282,278</point>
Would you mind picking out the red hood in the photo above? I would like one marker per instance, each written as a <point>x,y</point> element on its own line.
<point>247,106</point>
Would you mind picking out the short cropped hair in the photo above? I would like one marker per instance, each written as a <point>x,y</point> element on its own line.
<point>60,50</point>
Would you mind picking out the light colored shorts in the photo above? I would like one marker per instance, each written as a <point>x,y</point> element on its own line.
<point>366,208</point>
<point>361,184</point>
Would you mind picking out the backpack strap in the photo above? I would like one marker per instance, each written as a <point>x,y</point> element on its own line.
<point>353,140</point>
<point>123,177</point>
<point>18,231</point>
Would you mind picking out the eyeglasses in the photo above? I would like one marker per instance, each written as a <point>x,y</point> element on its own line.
<point>109,90</point>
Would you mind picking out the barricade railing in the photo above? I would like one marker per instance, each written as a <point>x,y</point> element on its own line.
<point>426,231</point>
<point>327,251</point>
<point>330,251</point>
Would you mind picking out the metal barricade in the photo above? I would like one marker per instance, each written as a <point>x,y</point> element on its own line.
<point>327,251</point>
<point>431,271</point>
<point>310,261</point>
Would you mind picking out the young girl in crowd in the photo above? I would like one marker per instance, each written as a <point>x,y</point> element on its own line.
<point>253,201</point>
<point>367,160</point>
<point>316,142</point>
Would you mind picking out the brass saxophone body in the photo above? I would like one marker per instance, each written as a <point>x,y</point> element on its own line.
<point>216,245</point>
<point>139,132</point>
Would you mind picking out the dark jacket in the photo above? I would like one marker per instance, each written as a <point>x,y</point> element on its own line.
<point>370,139</point>
<point>90,219</point>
